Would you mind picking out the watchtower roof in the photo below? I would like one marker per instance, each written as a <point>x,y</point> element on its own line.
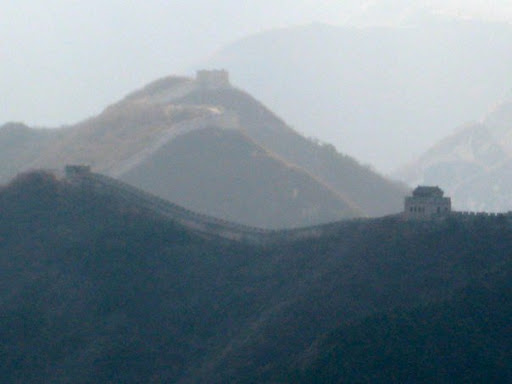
<point>426,191</point>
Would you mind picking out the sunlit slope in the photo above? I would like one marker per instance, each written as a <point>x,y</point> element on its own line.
<point>225,174</point>
<point>247,165</point>
<point>106,142</point>
<point>372,192</point>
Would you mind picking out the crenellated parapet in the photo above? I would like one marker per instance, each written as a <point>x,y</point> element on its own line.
<point>211,226</point>
<point>197,222</point>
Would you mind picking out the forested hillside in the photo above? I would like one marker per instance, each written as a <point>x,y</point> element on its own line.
<point>461,340</point>
<point>96,290</point>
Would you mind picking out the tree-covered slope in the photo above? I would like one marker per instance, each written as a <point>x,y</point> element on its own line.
<point>367,269</point>
<point>96,290</point>
<point>465,339</point>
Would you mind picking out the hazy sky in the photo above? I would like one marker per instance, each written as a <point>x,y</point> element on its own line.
<point>63,61</point>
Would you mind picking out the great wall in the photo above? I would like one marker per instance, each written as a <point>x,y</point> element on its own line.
<point>197,222</point>
<point>209,226</point>
<point>205,79</point>
<point>216,118</point>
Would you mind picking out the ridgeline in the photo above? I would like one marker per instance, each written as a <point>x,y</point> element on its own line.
<point>97,289</point>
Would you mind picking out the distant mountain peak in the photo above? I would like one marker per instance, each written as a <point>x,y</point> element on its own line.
<point>213,148</point>
<point>473,164</point>
<point>172,88</point>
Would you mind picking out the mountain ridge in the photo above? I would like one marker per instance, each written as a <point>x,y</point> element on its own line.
<point>352,180</point>
<point>366,89</point>
<point>144,126</point>
<point>96,289</point>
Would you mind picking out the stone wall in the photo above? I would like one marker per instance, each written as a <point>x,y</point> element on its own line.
<point>426,207</point>
<point>223,120</point>
<point>200,223</point>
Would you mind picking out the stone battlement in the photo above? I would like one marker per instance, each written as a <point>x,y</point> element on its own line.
<point>201,223</point>
<point>427,202</point>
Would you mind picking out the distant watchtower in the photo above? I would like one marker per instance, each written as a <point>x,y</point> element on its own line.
<point>76,170</point>
<point>427,202</point>
<point>213,79</point>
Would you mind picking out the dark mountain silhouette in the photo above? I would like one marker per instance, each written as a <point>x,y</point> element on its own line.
<point>213,149</point>
<point>95,289</point>
<point>464,339</point>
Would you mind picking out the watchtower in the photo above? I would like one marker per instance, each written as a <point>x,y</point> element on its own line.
<point>76,170</point>
<point>213,79</point>
<point>427,202</point>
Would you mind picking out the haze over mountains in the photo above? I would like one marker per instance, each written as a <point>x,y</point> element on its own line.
<point>103,281</point>
<point>391,70</point>
<point>64,61</point>
<point>213,149</point>
<point>473,165</point>
<point>380,94</point>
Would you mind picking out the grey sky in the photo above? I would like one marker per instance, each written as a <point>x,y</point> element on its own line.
<point>63,61</point>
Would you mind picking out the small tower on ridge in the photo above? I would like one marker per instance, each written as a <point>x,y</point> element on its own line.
<point>213,79</point>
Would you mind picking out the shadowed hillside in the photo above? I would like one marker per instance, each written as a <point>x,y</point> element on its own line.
<point>97,290</point>
<point>462,340</point>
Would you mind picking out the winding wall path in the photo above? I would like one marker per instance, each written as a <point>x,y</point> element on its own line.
<point>200,223</point>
